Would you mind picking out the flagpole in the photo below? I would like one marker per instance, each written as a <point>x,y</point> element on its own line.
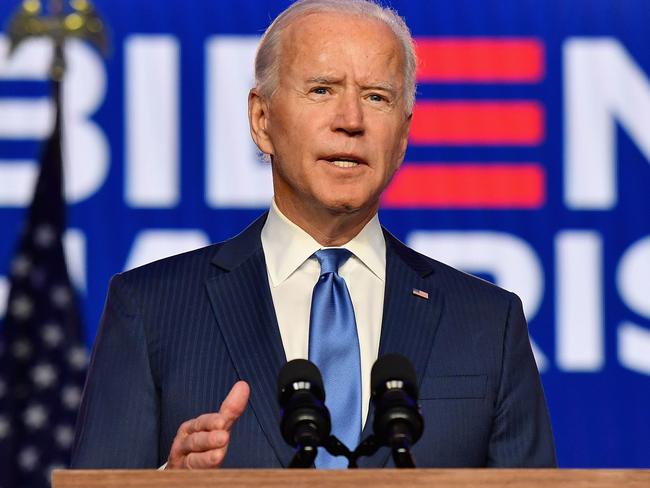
<point>58,60</point>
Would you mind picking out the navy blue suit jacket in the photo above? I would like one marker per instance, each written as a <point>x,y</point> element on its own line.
<point>176,334</point>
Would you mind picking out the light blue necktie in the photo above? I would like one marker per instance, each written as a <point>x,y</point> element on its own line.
<point>334,348</point>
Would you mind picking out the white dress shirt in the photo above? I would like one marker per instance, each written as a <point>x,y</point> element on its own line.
<point>293,272</point>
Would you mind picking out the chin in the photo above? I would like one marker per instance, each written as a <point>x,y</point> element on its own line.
<point>348,205</point>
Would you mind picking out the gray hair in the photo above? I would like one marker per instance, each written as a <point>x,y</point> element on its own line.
<point>268,51</point>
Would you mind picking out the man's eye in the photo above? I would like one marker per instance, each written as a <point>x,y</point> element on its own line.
<point>375,97</point>
<point>320,90</point>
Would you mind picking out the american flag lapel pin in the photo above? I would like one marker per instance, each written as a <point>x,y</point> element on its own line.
<point>420,293</point>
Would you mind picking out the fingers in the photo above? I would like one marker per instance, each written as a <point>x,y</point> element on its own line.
<point>204,460</point>
<point>231,409</point>
<point>235,403</point>
<point>205,422</point>
<point>199,450</point>
<point>203,442</point>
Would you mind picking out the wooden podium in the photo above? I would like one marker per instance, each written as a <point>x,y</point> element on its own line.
<point>376,478</point>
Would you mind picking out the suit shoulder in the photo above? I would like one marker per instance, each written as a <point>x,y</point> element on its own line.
<point>451,279</point>
<point>189,269</point>
<point>195,263</point>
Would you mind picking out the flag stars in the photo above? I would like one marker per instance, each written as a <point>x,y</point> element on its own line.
<point>52,335</point>
<point>28,458</point>
<point>22,350</point>
<point>77,357</point>
<point>35,416</point>
<point>20,266</point>
<point>44,235</point>
<point>71,397</point>
<point>64,436</point>
<point>21,307</point>
<point>43,375</point>
<point>61,296</point>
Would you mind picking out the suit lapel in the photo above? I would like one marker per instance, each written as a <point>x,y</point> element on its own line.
<point>409,322</point>
<point>243,307</point>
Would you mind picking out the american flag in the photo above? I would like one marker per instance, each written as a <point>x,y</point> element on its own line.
<point>421,293</point>
<point>42,356</point>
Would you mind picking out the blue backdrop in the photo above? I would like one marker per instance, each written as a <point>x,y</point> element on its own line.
<point>528,165</point>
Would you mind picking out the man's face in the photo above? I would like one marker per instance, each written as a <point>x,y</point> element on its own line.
<point>337,126</point>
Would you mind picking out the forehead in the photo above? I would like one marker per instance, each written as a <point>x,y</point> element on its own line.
<point>333,42</point>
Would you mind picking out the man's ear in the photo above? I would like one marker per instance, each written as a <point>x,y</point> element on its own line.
<point>258,119</point>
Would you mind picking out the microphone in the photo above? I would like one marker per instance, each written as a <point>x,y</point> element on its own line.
<point>398,423</point>
<point>305,422</point>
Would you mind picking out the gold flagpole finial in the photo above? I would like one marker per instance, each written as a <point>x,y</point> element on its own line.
<point>80,20</point>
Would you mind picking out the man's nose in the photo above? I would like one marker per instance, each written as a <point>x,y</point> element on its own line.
<point>349,114</point>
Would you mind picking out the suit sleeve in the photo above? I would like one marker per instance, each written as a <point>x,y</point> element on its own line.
<point>521,431</point>
<point>119,416</point>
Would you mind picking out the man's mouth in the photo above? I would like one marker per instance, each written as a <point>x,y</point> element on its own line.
<point>344,161</point>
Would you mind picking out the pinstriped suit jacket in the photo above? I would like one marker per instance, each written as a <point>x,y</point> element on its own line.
<point>176,334</point>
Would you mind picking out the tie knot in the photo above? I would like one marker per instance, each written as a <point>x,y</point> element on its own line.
<point>331,259</point>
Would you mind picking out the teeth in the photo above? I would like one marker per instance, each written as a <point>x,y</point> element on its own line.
<point>344,164</point>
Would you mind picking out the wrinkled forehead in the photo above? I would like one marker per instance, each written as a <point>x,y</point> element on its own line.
<point>335,41</point>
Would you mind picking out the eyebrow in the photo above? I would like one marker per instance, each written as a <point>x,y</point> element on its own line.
<point>324,80</point>
<point>381,85</point>
<point>330,80</point>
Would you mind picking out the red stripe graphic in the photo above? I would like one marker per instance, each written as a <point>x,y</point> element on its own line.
<point>467,185</point>
<point>480,60</point>
<point>519,123</point>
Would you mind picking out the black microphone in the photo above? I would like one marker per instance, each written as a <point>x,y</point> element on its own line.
<point>305,422</point>
<point>398,423</point>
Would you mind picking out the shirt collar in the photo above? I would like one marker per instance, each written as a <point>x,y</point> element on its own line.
<point>286,246</point>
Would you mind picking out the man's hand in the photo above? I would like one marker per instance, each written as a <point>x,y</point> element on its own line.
<point>202,442</point>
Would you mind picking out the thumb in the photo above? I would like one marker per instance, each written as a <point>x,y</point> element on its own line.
<point>235,403</point>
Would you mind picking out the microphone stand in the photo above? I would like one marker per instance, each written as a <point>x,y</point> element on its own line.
<point>401,440</point>
<point>367,448</point>
<point>400,449</point>
<point>304,457</point>
<point>308,449</point>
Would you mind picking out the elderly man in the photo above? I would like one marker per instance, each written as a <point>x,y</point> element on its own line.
<point>186,360</point>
